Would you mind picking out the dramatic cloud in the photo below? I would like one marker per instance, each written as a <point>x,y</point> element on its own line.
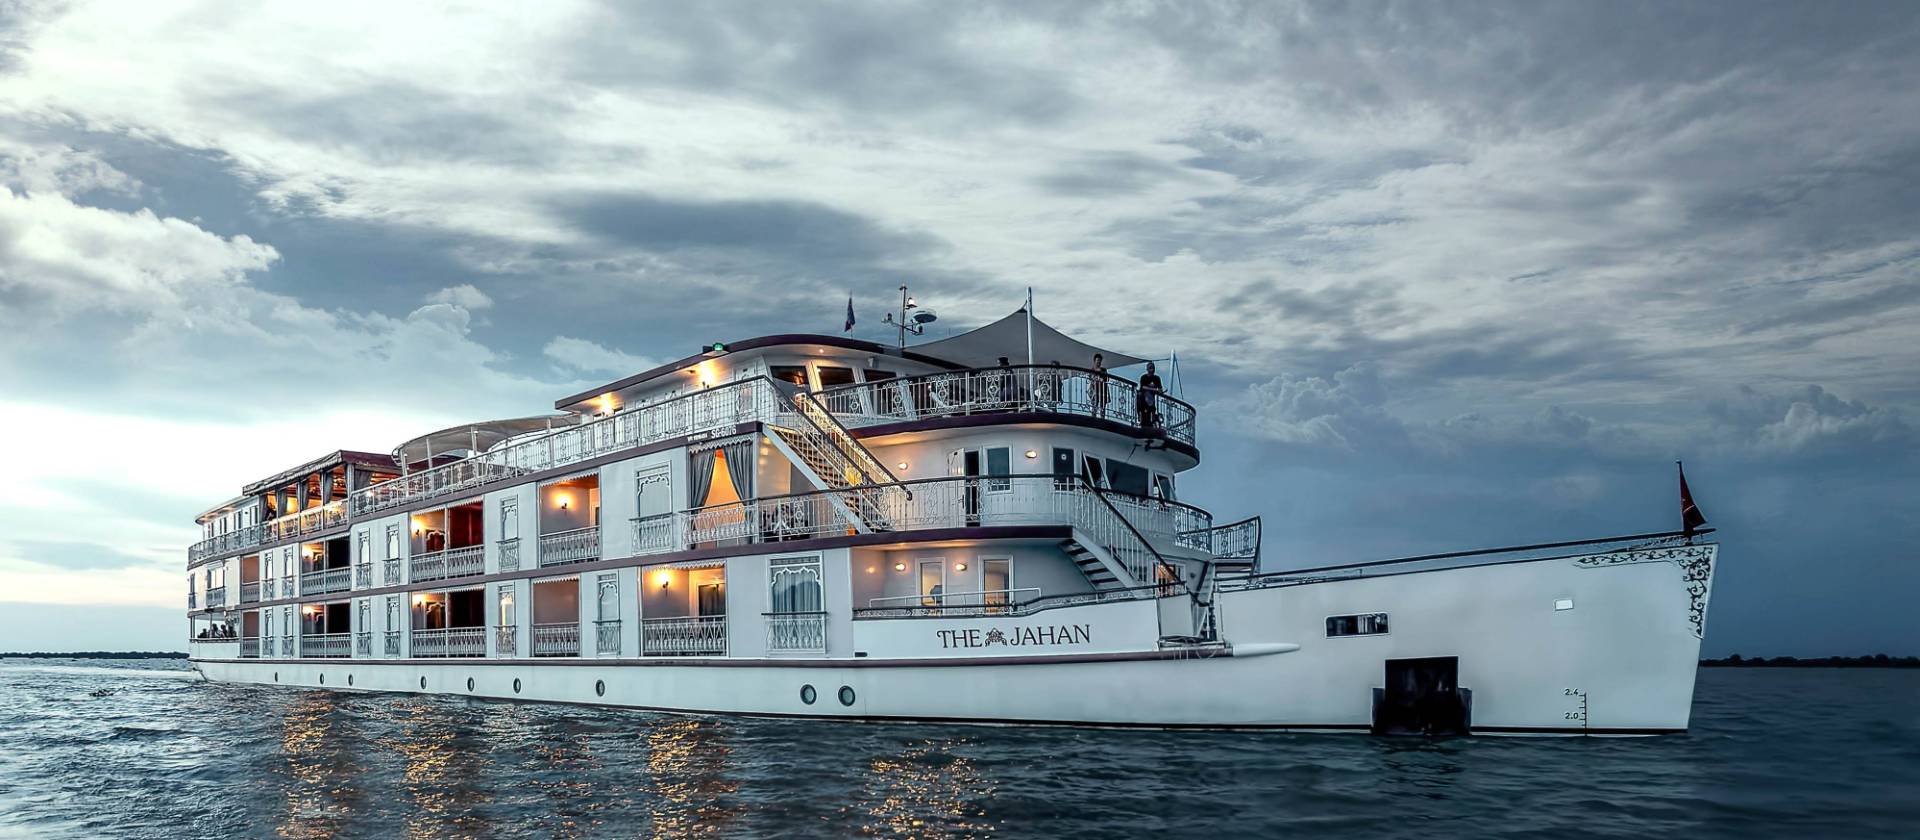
<point>1437,274</point>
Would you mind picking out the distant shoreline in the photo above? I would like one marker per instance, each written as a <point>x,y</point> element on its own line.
<point>1878,660</point>
<point>98,654</point>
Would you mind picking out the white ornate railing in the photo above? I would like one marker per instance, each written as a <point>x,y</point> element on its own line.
<point>216,598</point>
<point>250,647</point>
<point>363,644</point>
<point>390,571</point>
<point>250,592</point>
<point>576,546</point>
<point>363,576</point>
<point>326,580</point>
<point>266,589</point>
<point>506,642</point>
<point>327,645</point>
<point>654,534</point>
<point>510,555</point>
<point>1041,389</point>
<point>797,632</point>
<point>699,635</point>
<point>393,643</point>
<point>716,408</point>
<point>607,637</point>
<point>556,639</point>
<point>452,641</point>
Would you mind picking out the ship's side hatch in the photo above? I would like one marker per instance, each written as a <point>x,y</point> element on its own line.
<point>1422,697</point>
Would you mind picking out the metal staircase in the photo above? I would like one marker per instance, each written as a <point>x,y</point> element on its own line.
<point>830,457</point>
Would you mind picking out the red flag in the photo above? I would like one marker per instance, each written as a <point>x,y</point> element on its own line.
<point>1690,515</point>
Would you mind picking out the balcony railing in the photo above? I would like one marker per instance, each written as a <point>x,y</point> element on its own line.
<point>363,644</point>
<point>694,635</point>
<point>968,604</point>
<point>250,647</point>
<point>310,521</point>
<point>451,563</point>
<point>193,600</point>
<point>656,533</point>
<point>363,576</point>
<point>510,555</point>
<point>286,585</point>
<point>216,598</point>
<point>1237,541</point>
<point>712,409</point>
<point>326,580</point>
<point>390,571</point>
<point>286,645</point>
<point>235,540</point>
<point>942,503</point>
<point>326,645</point>
<point>556,639</point>
<point>393,643</point>
<point>250,592</point>
<point>1037,389</point>
<point>607,637</point>
<point>801,632</point>
<point>506,641</point>
<point>576,546</point>
<point>452,641</point>
<point>266,589</point>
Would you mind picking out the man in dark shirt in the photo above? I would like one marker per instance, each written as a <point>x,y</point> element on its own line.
<point>1147,399</point>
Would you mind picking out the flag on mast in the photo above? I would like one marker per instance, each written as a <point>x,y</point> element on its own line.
<point>849,326</point>
<point>1690,516</point>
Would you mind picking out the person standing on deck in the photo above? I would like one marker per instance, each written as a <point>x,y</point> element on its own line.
<point>1004,388</point>
<point>1147,399</point>
<point>1097,386</point>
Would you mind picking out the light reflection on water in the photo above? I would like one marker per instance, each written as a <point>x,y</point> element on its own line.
<point>1800,754</point>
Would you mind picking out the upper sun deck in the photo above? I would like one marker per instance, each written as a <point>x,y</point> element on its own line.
<point>868,389</point>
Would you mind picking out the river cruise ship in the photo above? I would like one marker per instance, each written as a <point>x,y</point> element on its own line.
<point>817,526</point>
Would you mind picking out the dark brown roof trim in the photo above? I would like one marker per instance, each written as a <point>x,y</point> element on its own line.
<point>335,458</point>
<point>755,344</point>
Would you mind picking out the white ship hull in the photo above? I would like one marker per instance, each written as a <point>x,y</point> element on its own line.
<point>1594,644</point>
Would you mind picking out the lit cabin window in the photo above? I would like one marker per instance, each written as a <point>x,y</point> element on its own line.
<point>1367,624</point>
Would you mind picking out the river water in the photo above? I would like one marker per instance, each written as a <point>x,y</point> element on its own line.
<point>145,749</point>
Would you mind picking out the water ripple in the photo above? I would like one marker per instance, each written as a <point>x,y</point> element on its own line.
<point>161,754</point>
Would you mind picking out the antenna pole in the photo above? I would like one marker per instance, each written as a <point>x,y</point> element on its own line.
<point>1029,342</point>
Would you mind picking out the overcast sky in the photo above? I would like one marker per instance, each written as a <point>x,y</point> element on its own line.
<point>1439,276</point>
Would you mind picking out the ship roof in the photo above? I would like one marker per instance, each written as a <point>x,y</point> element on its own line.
<point>1009,338</point>
<point>762,342</point>
<point>337,457</point>
<point>477,437</point>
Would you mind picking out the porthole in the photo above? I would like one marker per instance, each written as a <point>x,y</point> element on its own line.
<point>808,695</point>
<point>846,695</point>
<point>516,685</point>
<point>423,683</point>
<point>276,676</point>
<point>600,687</point>
<point>323,679</point>
<point>349,679</point>
<point>469,683</point>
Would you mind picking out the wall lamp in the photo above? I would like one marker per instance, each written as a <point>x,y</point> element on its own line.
<point>899,567</point>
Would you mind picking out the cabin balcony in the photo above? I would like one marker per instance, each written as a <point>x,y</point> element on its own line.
<point>694,635</point>
<point>451,563</point>
<point>556,617</point>
<point>216,598</point>
<point>326,630</point>
<point>447,543</point>
<point>249,647</point>
<point>238,539</point>
<point>313,520</point>
<point>1019,389</point>
<point>449,624</point>
<point>570,520</point>
<point>450,642</point>
<point>324,567</point>
<point>326,645</point>
<point>683,610</point>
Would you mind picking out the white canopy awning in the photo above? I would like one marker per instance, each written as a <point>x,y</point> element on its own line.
<point>1007,337</point>
<point>477,437</point>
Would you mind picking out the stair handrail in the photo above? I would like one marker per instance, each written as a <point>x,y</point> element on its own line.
<point>1159,562</point>
<point>1214,533</point>
<point>796,395</point>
